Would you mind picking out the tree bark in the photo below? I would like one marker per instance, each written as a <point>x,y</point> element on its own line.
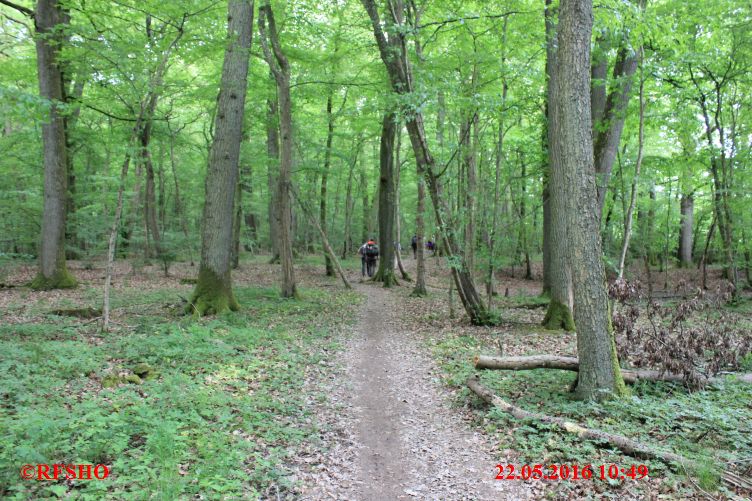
<point>559,312</point>
<point>685,234</point>
<point>213,293</point>
<point>347,245</point>
<point>329,269</point>
<point>599,375</point>
<point>420,230</point>
<point>385,273</point>
<point>272,152</point>
<point>52,273</point>
<point>280,68</point>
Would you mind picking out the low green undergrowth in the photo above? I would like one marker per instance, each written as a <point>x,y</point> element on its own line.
<point>216,416</point>
<point>713,426</point>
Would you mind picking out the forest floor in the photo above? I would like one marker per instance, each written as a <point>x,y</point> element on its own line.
<point>340,395</point>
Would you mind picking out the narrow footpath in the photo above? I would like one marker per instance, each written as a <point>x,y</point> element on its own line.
<point>393,433</point>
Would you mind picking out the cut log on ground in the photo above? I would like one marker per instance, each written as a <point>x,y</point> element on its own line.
<point>572,364</point>
<point>626,445</point>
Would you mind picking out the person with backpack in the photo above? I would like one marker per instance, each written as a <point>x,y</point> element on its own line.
<point>369,254</point>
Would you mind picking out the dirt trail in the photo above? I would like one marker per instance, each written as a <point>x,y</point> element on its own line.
<point>393,433</point>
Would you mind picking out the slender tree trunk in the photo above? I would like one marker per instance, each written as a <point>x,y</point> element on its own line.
<point>366,204</point>
<point>53,273</point>
<point>280,67</point>
<point>685,234</point>
<point>420,230</point>
<point>633,193</point>
<point>397,226</point>
<point>272,151</point>
<point>347,246</point>
<point>599,375</point>
<point>113,240</point>
<point>213,293</point>
<point>385,273</point>
<point>329,268</point>
<point>559,312</point>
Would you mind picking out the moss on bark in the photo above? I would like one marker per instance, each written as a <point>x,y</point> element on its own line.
<point>213,295</point>
<point>558,316</point>
<point>62,279</point>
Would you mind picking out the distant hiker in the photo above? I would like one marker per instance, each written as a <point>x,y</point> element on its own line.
<point>371,254</point>
<point>414,245</point>
<point>430,245</point>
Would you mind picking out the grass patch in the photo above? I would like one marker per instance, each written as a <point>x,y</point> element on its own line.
<point>219,417</point>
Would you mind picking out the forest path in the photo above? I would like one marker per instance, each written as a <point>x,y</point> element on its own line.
<point>395,436</point>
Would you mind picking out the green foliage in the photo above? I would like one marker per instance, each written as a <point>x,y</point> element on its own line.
<point>219,402</point>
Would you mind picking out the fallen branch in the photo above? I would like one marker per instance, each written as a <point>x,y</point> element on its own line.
<point>572,364</point>
<point>626,445</point>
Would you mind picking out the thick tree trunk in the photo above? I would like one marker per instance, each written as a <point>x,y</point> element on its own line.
<point>397,224</point>
<point>329,269</point>
<point>280,67</point>
<point>53,273</point>
<point>559,313</point>
<point>393,54</point>
<point>385,273</point>
<point>599,375</point>
<point>685,234</point>
<point>213,293</point>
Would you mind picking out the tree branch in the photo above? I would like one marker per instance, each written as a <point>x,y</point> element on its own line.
<point>19,8</point>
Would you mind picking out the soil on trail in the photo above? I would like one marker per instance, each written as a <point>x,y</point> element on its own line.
<point>392,433</point>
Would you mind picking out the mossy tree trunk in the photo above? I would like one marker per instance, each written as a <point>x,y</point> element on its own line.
<point>53,273</point>
<point>213,293</point>
<point>385,273</point>
<point>559,313</point>
<point>280,68</point>
<point>573,177</point>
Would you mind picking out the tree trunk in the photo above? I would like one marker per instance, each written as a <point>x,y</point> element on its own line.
<point>393,53</point>
<point>272,152</point>
<point>685,234</point>
<point>213,293</point>
<point>329,269</point>
<point>559,313</point>
<point>113,240</point>
<point>397,224</point>
<point>420,230</point>
<point>237,225</point>
<point>53,273</point>
<point>385,273</point>
<point>633,194</point>
<point>608,130</point>
<point>280,67</point>
<point>573,180</point>
<point>366,205</point>
<point>347,245</point>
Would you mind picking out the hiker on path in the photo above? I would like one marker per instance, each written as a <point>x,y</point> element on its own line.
<point>369,253</point>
